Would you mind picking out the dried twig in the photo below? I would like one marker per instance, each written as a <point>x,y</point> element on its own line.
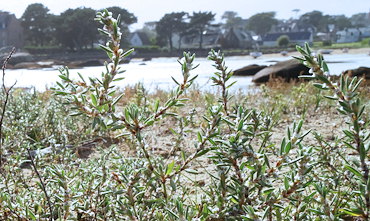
<point>42,183</point>
<point>7,94</point>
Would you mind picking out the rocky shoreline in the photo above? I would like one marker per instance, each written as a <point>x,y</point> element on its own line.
<point>287,70</point>
<point>24,60</point>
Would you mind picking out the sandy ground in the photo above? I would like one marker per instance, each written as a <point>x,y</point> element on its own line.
<point>335,51</point>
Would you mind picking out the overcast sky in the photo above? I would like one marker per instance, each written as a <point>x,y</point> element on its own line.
<point>153,10</point>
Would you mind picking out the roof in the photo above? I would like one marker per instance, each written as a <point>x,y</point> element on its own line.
<point>211,38</point>
<point>293,36</point>
<point>143,37</point>
<point>240,34</point>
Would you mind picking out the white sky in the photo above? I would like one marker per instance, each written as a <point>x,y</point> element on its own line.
<point>153,10</point>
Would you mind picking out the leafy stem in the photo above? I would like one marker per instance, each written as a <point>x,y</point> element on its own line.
<point>349,104</point>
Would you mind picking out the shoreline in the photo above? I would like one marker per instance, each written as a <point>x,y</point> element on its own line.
<point>25,60</point>
<point>333,52</point>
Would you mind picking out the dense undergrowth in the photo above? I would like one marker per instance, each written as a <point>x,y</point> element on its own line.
<point>291,151</point>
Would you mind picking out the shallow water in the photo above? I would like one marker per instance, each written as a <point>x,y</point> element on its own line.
<point>157,72</point>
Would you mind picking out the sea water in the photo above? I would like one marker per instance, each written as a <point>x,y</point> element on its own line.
<point>157,73</point>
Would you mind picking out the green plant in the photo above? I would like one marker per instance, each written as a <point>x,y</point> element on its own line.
<point>357,137</point>
<point>225,155</point>
<point>6,93</point>
<point>96,100</point>
<point>327,43</point>
<point>283,41</point>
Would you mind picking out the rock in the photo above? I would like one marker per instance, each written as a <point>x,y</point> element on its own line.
<point>284,53</point>
<point>46,64</point>
<point>360,72</point>
<point>27,65</point>
<point>249,70</point>
<point>147,59</point>
<point>9,66</point>
<point>87,63</point>
<point>19,57</point>
<point>287,70</point>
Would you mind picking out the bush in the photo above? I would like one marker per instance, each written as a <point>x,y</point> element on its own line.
<point>148,49</point>
<point>283,41</point>
<point>250,170</point>
<point>43,50</point>
<point>327,43</point>
<point>365,42</point>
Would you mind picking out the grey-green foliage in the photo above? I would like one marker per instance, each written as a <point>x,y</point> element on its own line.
<point>357,136</point>
<point>248,176</point>
<point>40,121</point>
<point>283,41</point>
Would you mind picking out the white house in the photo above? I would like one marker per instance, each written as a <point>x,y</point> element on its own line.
<point>353,34</point>
<point>348,35</point>
<point>138,39</point>
<point>365,32</point>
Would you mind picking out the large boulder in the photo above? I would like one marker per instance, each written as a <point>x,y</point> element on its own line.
<point>86,63</point>
<point>287,70</point>
<point>249,70</point>
<point>27,65</point>
<point>18,57</point>
<point>360,72</point>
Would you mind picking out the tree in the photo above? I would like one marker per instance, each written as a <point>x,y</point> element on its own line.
<point>76,28</point>
<point>314,19</point>
<point>360,20</point>
<point>283,41</point>
<point>199,22</point>
<point>127,18</point>
<point>262,23</point>
<point>149,29</point>
<point>36,22</point>
<point>170,24</point>
<point>340,21</point>
<point>231,20</point>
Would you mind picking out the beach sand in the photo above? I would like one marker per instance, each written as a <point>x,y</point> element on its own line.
<point>335,51</point>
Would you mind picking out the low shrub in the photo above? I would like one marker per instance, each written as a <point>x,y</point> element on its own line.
<point>148,49</point>
<point>224,160</point>
<point>283,41</point>
<point>327,43</point>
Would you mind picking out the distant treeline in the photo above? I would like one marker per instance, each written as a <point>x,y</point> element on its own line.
<point>75,29</point>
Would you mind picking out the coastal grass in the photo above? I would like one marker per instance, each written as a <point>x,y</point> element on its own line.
<point>364,43</point>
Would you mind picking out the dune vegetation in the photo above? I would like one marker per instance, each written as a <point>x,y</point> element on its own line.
<point>87,150</point>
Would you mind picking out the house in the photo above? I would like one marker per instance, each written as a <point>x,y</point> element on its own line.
<point>211,39</point>
<point>365,32</point>
<point>11,31</point>
<point>352,34</point>
<point>299,38</point>
<point>139,39</point>
<point>348,35</point>
<point>237,38</point>
<point>290,25</point>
